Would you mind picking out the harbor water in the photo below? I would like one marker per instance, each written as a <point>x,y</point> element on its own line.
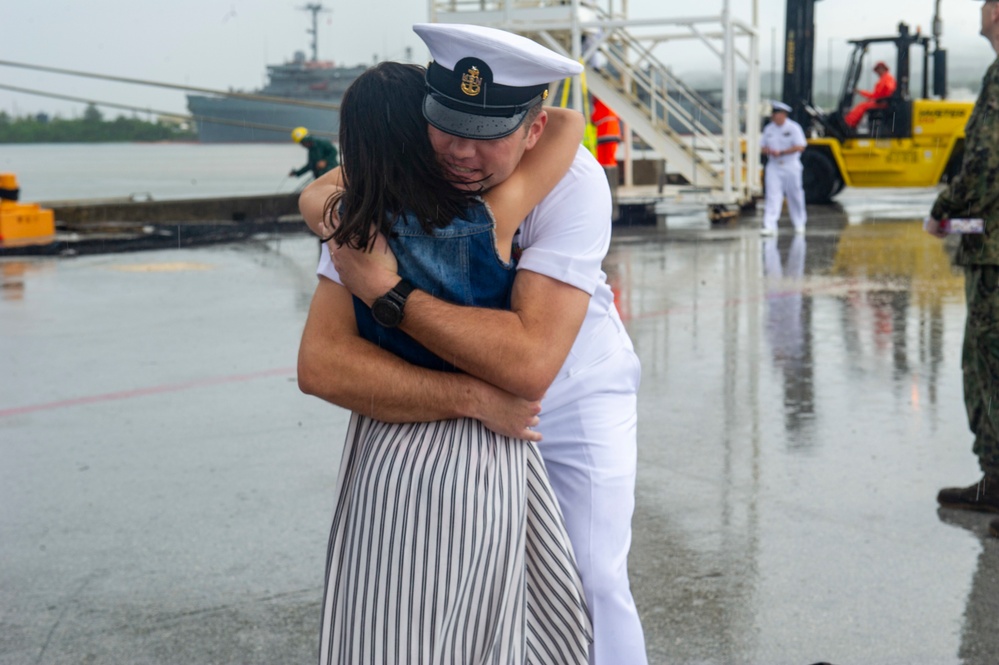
<point>71,171</point>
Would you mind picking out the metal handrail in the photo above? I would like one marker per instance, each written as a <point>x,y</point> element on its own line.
<point>698,137</point>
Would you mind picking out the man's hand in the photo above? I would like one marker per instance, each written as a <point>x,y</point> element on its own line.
<point>367,275</point>
<point>934,228</point>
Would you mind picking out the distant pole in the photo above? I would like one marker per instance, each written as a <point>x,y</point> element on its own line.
<point>829,86</point>
<point>773,63</point>
<point>751,183</point>
<point>937,26</point>
<point>575,50</point>
<point>315,9</point>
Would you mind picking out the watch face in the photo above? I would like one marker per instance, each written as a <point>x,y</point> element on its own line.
<point>386,313</point>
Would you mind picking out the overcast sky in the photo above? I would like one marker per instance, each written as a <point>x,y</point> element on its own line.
<point>224,44</point>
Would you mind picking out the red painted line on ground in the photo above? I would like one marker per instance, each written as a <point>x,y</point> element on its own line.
<point>142,392</point>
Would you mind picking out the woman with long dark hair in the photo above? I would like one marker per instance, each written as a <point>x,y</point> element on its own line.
<point>447,543</point>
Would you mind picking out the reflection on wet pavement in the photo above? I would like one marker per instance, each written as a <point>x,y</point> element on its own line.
<point>165,488</point>
<point>800,408</point>
<point>788,317</point>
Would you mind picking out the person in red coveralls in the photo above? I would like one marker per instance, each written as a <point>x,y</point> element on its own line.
<point>608,133</point>
<point>884,88</point>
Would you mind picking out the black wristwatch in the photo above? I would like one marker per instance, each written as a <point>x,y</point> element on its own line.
<point>388,310</point>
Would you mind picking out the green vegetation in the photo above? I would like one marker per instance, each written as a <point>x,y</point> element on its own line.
<point>91,128</point>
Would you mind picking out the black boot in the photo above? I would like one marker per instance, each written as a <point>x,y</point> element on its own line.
<point>994,528</point>
<point>982,496</point>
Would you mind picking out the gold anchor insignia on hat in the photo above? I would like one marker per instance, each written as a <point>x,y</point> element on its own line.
<point>471,83</point>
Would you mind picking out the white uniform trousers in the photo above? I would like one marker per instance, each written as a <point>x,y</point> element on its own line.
<point>590,451</point>
<point>784,180</point>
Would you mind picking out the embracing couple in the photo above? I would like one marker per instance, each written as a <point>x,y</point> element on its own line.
<point>486,488</point>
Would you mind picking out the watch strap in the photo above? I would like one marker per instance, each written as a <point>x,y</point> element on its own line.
<point>400,292</point>
<point>389,309</point>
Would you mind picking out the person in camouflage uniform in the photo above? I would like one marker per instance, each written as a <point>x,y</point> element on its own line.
<point>975,193</point>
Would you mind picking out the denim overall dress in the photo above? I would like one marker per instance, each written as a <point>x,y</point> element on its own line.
<point>457,263</point>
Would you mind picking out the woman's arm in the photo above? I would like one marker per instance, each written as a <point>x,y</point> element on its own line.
<point>312,202</point>
<point>540,169</point>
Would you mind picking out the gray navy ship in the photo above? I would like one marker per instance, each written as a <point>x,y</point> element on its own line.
<point>300,93</point>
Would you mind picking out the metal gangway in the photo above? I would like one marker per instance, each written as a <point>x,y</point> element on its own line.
<point>713,147</point>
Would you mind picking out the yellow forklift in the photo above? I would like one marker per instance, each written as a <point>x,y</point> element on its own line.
<point>909,142</point>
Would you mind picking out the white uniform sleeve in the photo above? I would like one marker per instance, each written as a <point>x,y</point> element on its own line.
<point>766,136</point>
<point>799,136</point>
<point>325,267</point>
<point>567,236</point>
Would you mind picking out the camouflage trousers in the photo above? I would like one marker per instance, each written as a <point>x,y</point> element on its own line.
<point>980,362</point>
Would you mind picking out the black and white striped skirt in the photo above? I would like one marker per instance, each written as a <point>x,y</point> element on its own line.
<point>448,547</point>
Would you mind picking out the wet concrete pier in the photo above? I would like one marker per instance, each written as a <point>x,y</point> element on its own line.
<point>165,490</point>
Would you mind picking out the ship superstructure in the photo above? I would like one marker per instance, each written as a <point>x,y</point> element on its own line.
<point>304,92</point>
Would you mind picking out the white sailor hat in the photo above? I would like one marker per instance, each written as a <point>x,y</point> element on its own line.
<point>780,106</point>
<point>482,81</point>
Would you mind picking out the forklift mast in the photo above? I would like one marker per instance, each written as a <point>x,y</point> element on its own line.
<point>799,58</point>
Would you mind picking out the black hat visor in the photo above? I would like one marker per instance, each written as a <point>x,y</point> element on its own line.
<point>469,125</point>
<point>497,113</point>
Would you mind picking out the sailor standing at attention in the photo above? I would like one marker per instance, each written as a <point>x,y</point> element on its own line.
<point>782,142</point>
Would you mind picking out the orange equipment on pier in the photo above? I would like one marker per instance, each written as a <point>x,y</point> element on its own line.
<point>22,223</point>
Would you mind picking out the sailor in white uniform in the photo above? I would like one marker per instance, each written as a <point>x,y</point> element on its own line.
<point>589,412</point>
<point>783,141</point>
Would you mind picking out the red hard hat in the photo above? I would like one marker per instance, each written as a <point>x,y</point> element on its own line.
<point>880,64</point>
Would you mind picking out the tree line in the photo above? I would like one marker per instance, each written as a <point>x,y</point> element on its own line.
<point>91,128</point>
